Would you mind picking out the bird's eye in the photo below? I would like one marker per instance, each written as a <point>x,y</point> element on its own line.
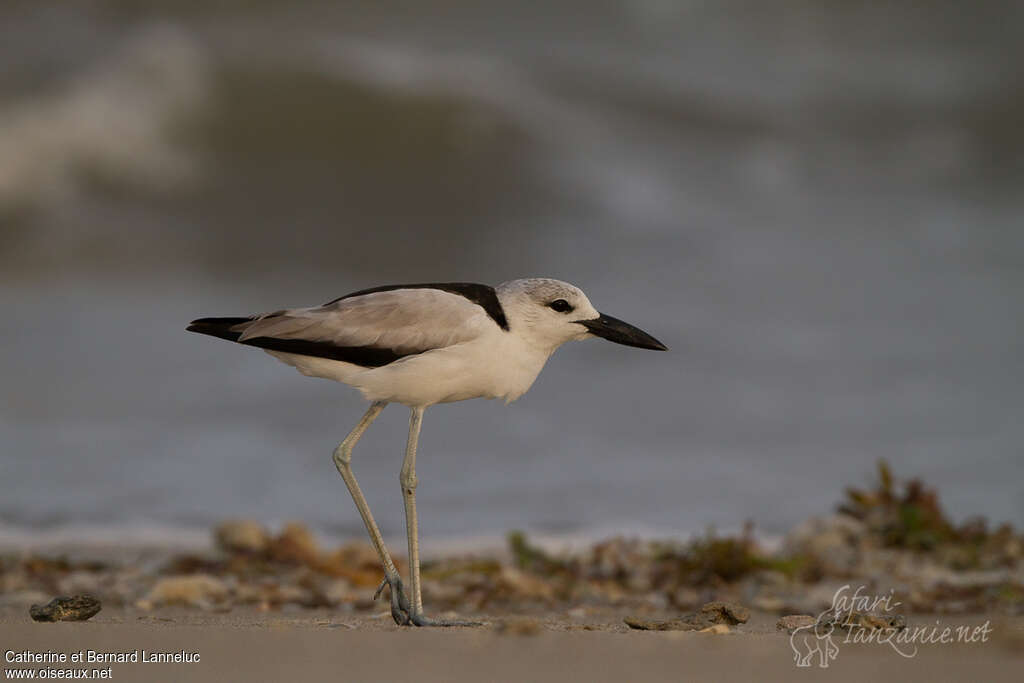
<point>560,305</point>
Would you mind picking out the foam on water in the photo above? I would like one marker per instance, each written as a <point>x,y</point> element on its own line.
<point>113,120</point>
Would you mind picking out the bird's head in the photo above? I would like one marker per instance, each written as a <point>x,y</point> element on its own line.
<point>551,312</point>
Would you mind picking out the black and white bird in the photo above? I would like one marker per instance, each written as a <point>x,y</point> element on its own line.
<point>419,345</point>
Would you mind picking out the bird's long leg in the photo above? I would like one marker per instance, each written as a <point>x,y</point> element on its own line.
<point>400,609</point>
<point>409,481</point>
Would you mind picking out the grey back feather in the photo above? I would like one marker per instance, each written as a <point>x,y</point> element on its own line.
<point>403,320</point>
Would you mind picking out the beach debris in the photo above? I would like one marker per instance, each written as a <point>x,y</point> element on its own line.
<point>338,592</point>
<point>355,562</point>
<point>241,536</point>
<point>295,545</point>
<point>711,614</point>
<point>641,624</point>
<point>720,558</point>
<point>522,585</point>
<point>892,534</point>
<point>723,613</point>
<point>192,590</point>
<point>912,519</point>
<point>75,608</point>
<point>835,542</point>
<point>792,622</point>
<point>870,621</point>
<point>532,558</point>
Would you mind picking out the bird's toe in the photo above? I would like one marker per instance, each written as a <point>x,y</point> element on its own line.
<point>400,609</point>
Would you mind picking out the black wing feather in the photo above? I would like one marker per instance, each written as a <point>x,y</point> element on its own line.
<point>365,356</point>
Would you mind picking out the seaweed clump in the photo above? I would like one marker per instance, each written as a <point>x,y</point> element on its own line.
<point>910,517</point>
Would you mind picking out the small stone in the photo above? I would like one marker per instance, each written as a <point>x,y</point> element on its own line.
<point>871,622</point>
<point>649,625</point>
<point>241,536</point>
<point>75,608</point>
<point>725,612</point>
<point>792,622</point>
<point>712,613</point>
<point>717,629</point>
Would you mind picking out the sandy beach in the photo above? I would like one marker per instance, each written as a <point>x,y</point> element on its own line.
<point>869,591</point>
<point>815,206</point>
<point>886,586</point>
<point>248,644</point>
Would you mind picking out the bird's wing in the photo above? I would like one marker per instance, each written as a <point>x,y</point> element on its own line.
<point>399,322</point>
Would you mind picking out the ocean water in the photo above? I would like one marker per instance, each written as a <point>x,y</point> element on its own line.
<point>817,207</point>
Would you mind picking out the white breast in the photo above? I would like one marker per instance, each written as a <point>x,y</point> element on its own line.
<point>497,365</point>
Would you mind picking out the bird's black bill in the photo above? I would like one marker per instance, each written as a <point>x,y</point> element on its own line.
<point>621,332</point>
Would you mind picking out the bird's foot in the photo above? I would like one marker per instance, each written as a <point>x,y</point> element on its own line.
<point>420,620</point>
<point>400,609</point>
<point>402,612</point>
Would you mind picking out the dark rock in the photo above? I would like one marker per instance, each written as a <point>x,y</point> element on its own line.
<point>75,608</point>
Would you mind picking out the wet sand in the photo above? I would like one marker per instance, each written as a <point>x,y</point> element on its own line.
<point>247,644</point>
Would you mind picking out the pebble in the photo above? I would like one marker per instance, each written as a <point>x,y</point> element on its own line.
<point>711,614</point>
<point>871,622</point>
<point>75,608</point>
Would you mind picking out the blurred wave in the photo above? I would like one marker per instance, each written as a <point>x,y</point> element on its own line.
<point>112,122</point>
<point>816,204</point>
<point>236,141</point>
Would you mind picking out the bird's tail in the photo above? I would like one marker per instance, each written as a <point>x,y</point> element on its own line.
<point>225,328</point>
